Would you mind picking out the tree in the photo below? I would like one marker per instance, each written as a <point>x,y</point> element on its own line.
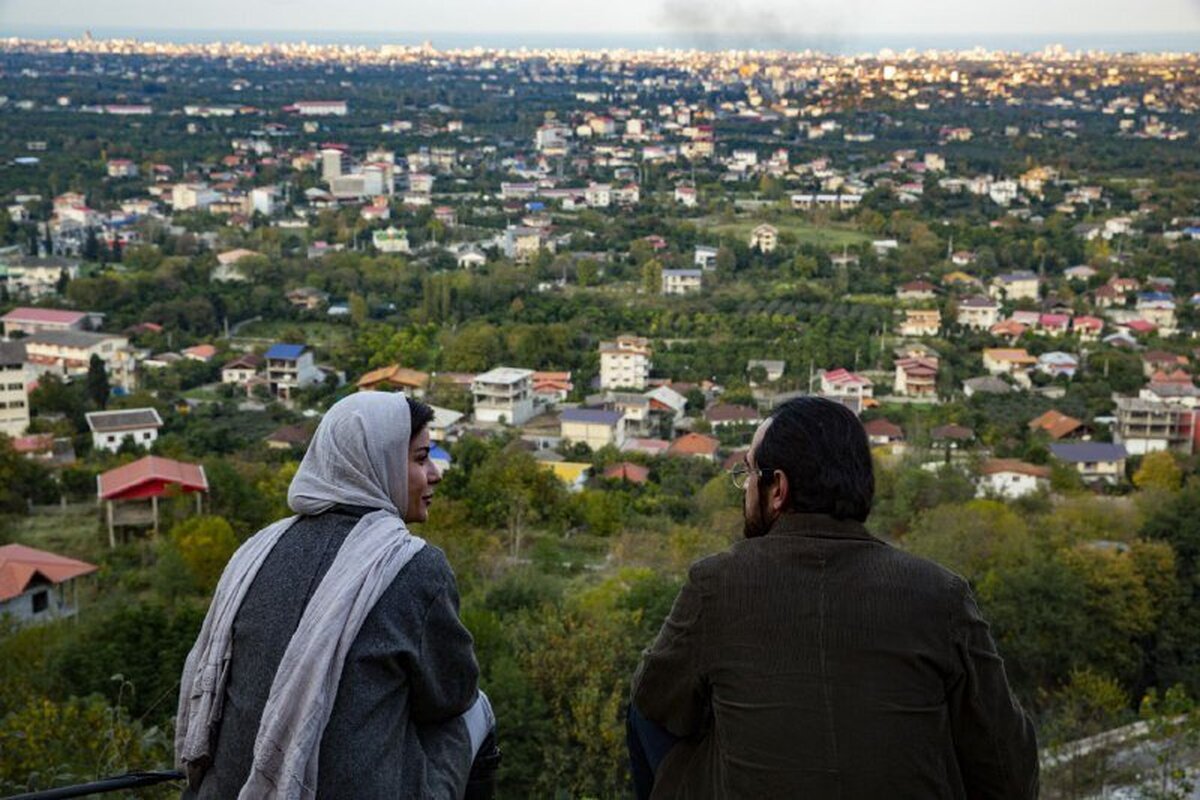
<point>1158,471</point>
<point>205,544</point>
<point>652,272</point>
<point>358,309</point>
<point>97,382</point>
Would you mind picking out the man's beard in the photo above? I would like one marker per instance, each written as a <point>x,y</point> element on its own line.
<point>755,524</point>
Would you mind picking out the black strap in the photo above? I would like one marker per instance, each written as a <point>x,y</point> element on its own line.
<point>130,780</point>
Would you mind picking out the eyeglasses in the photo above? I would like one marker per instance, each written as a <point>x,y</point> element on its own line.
<point>740,474</point>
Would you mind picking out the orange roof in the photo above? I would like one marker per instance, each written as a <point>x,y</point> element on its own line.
<point>1055,423</point>
<point>994,465</point>
<point>396,375</point>
<point>202,351</point>
<point>141,478</point>
<point>1008,327</point>
<point>694,444</point>
<point>19,565</point>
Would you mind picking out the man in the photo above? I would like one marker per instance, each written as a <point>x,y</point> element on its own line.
<point>812,660</point>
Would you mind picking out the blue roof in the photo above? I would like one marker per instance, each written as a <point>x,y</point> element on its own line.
<point>1088,451</point>
<point>1154,296</point>
<point>286,352</point>
<point>437,453</point>
<point>592,416</point>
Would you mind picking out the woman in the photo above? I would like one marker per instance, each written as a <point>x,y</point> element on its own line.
<point>332,662</point>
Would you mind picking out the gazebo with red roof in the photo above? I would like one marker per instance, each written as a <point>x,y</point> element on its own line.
<point>152,477</point>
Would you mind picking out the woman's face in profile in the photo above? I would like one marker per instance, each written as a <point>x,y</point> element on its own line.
<point>422,476</point>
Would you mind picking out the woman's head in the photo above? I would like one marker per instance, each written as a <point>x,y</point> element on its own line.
<point>362,454</point>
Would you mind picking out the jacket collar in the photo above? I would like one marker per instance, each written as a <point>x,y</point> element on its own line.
<point>818,525</point>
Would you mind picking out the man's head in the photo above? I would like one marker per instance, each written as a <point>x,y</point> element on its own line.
<point>810,456</point>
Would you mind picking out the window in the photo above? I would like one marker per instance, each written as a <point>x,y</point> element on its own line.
<point>41,601</point>
<point>146,436</point>
<point>110,438</point>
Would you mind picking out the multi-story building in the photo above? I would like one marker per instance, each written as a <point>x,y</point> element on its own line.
<point>921,322</point>
<point>978,313</point>
<point>14,397</point>
<point>1015,286</point>
<point>504,394</point>
<point>290,367</point>
<point>625,363</point>
<point>110,429</point>
<point>36,277</point>
<point>916,377</point>
<point>1096,462</point>
<point>68,353</point>
<point>682,281</point>
<point>1145,426</point>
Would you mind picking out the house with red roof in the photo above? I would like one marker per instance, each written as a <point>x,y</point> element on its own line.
<point>1011,478</point>
<point>37,586</point>
<point>842,382</point>
<point>1087,328</point>
<point>1054,324</point>
<point>883,432</point>
<point>628,471</point>
<point>32,320</point>
<point>916,377</point>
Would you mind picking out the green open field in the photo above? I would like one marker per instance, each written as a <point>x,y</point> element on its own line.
<point>826,236</point>
<point>318,334</point>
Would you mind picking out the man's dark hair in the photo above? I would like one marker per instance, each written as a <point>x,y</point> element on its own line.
<point>822,448</point>
<point>421,415</point>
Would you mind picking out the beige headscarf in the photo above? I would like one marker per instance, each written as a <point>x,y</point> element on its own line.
<point>359,457</point>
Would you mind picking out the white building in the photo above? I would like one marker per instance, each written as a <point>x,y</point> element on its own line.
<point>625,363</point>
<point>14,398</point>
<point>681,281</point>
<point>1010,478</point>
<point>38,277</point>
<point>392,240</point>
<point>68,353</point>
<point>321,108</point>
<point>111,428</point>
<point>504,394</point>
<point>188,196</point>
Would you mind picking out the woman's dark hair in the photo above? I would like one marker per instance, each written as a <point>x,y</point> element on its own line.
<point>421,415</point>
<point>822,448</point>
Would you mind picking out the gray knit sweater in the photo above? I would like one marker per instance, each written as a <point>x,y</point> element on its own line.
<point>394,731</point>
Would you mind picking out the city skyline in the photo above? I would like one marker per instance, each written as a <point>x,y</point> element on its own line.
<point>671,21</point>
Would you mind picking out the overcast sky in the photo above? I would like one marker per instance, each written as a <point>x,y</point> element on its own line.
<point>843,18</point>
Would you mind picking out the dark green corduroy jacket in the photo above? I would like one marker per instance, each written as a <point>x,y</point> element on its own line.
<point>820,662</point>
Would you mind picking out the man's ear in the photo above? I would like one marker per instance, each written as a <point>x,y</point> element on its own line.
<point>779,492</point>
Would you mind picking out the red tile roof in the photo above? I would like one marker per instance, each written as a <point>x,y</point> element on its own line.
<point>626,471</point>
<point>48,315</point>
<point>147,476</point>
<point>19,565</point>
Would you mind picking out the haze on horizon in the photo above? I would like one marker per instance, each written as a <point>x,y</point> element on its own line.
<point>844,19</point>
